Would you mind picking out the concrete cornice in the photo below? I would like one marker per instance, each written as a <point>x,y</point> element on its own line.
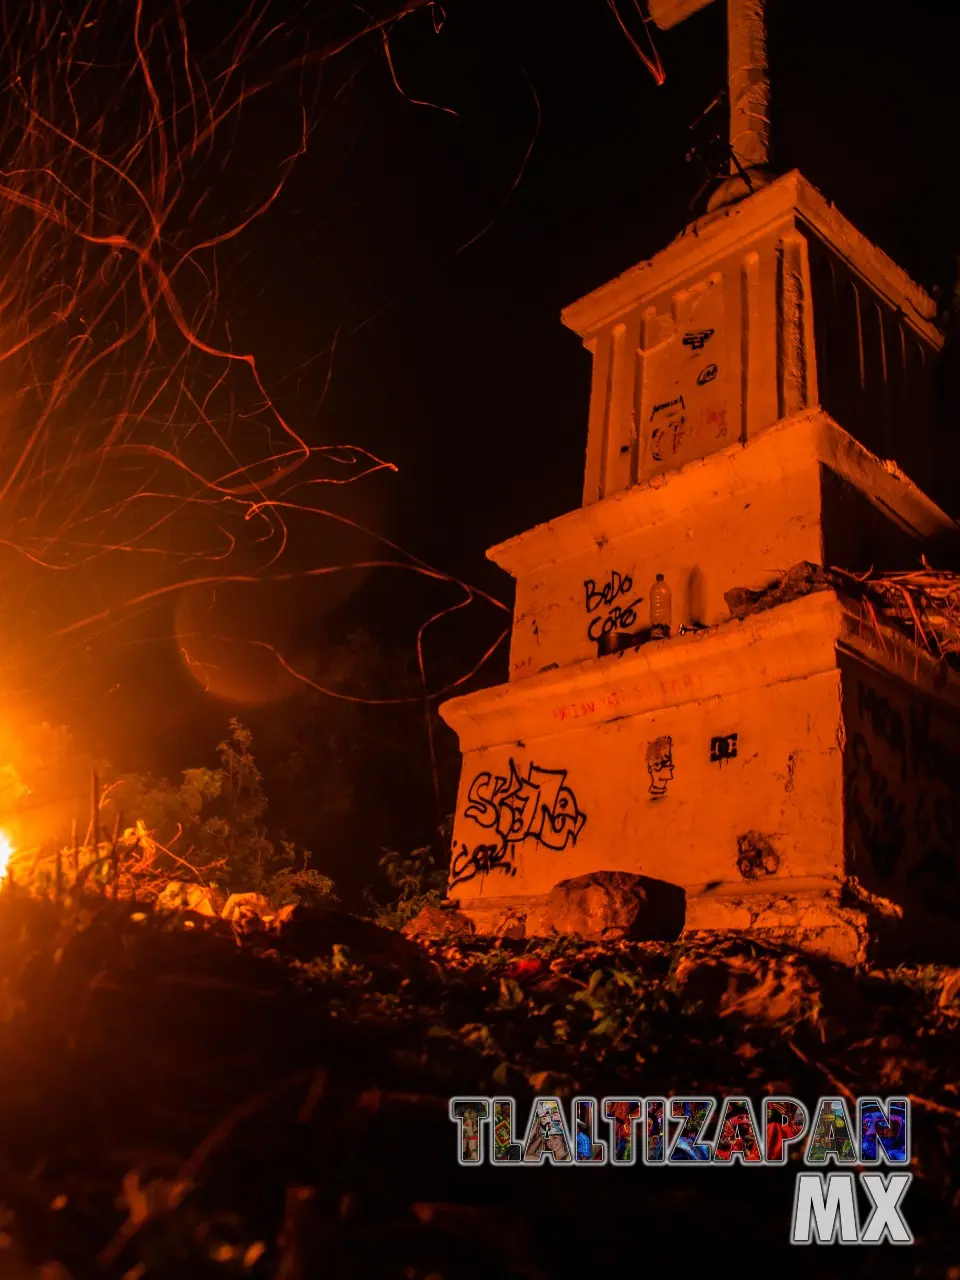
<point>789,642</point>
<point>800,640</point>
<point>781,450</point>
<point>709,239</point>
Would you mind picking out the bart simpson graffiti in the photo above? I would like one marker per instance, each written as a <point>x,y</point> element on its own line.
<point>539,807</point>
<point>660,766</point>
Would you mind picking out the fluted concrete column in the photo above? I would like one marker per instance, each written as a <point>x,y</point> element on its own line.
<point>749,84</point>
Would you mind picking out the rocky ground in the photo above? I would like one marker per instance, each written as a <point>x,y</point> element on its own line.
<point>183,1096</point>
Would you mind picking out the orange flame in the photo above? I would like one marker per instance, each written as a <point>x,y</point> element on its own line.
<point>6,853</point>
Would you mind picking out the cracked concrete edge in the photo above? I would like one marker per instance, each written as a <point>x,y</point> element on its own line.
<point>815,925</point>
<point>839,934</point>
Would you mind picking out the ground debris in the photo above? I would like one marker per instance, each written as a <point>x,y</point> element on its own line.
<point>189,1102</point>
<point>434,923</point>
<point>766,989</point>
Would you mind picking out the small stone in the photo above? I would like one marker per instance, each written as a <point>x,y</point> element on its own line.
<point>434,924</point>
<point>512,926</point>
<point>183,895</point>
<point>247,906</point>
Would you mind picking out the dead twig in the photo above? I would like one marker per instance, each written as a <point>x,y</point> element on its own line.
<point>76,860</point>
<point>317,1088</point>
<point>933,1106</point>
<point>93,831</point>
<point>871,612</point>
<point>115,856</point>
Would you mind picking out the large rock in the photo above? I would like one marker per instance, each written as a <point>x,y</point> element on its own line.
<point>306,933</point>
<point>605,906</point>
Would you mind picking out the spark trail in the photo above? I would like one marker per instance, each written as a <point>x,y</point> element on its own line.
<point>140,450</point>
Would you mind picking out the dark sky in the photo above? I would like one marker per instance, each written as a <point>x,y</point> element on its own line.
<point>404,292</point>
<point>452,361</point>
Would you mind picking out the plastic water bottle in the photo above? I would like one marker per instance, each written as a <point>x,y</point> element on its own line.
<point>660,609</point>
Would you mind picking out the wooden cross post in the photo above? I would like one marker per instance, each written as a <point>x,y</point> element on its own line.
<point>749,89</point>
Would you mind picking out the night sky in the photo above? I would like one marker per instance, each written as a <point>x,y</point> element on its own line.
<point>404,291</point>
<point>451,361</point>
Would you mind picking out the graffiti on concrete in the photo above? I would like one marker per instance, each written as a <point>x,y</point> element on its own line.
<point>634,695</point>
<point>668,407</point>
<point>756,856</point>
<point>697,341</point>
<point>707,374</point>
<point>660,765</point>
<point>715,420</point>
<point>668,433</point>
<point>467,864</point>
<point>618,614</point>
<point>539,807</point>
<point>723,748</point>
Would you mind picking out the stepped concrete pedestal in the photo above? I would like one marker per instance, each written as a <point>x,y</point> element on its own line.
<point>803,490</point>
<point>758,765</point>
<point>762,396</point>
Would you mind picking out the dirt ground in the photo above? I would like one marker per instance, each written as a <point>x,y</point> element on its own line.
<point>178,1098</point>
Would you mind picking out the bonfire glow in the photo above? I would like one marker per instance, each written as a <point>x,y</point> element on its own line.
<point>6,853</point>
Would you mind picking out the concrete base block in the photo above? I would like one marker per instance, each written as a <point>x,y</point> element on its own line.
<point>811,922</point>
<point>816,924</point>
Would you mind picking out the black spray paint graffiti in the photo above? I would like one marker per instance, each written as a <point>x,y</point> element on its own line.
<point>660,765</point>
<point>667,436</point>
<point>467,863</point>
<point>723,748</point>
<point>620,616</point>
<point>756,856</point>
<point>697,341</point>
<point>539,807</point>
<point>706,375</point>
